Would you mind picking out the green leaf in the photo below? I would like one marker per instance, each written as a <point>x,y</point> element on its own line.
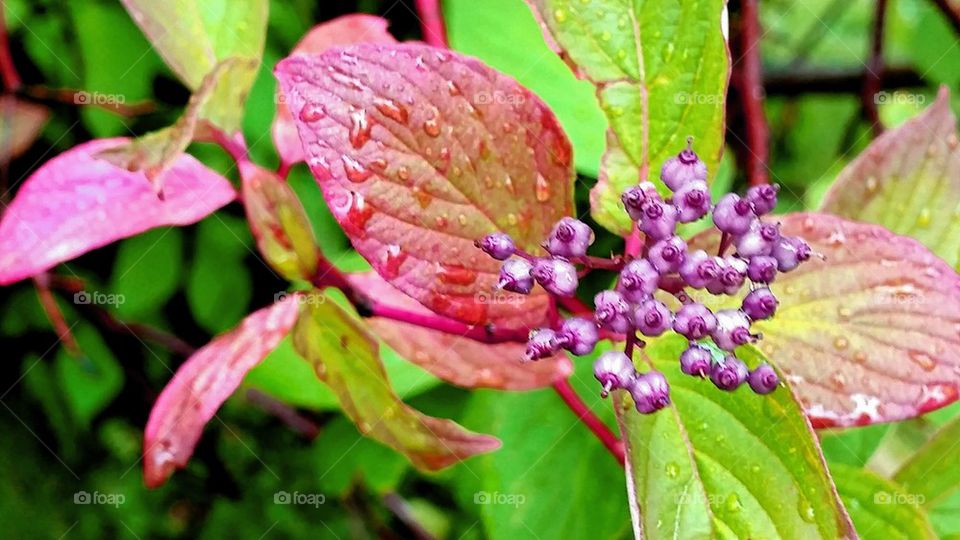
<point>343,456</point>
<point>219,298</point>
<point>505,35</point>
<point>933,472</point>
<point>726,463</point>
<point>147,271</point>
<point>91,382</point>
<point>661,70</point>
<point>879,508</point>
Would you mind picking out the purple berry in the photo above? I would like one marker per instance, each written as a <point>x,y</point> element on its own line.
<point>612,312</point>
<point>650,392</point>
<point>694,321</point>
<point>515,276</point>
<point>684,168</point>
<point>614,371</point>
<point>699,269</point>
<point>497,245</point>
<point>638,280</point>
<point>733,215</point>
<point>541,344</point>
<point>760,304</point>
<point>763,379</point>
<point>732,275</point>
<point>652,318</point>
<point>634,197</point>
<point>569,238</point>
<point>729,374</point>
<point>667,255</point>
<point>692,201</point>
<point>759,240</point>
<point>763,198</point>
<point>733,329</point>
<point>557,276</point>
<point>658,219</point>
<point>790,251</point>
<point>715,286</point>
<point>696,361</point>
<point>578,336</point>
<point>762,269</point>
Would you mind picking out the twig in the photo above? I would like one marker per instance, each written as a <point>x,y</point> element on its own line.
<point>55,316</point>
<point>836,81</point>
<point>752,94</point>
<point>873,81</point>
<point>579,408</point>
<point>8,71</point>
<point>285,413</point>
<point>431,21</point>
<point>404,513</point>
<point>951,13</point>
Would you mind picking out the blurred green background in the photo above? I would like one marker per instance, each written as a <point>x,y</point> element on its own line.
<point>72,424</point>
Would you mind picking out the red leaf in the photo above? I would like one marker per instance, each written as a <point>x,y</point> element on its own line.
<point>204,382</point>
<point>460,361</point>
<point>75,203</point>
<point>419,152</point>
<point>345,30</point>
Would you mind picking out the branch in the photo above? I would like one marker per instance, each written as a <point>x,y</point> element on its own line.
<point>302,425</point>
<point>873,80</point>
<point>752,94</point>
<point>8,71</point>
<point>431,21</point>
<point>579,408</point>
<point>55,315</point>
<point>799,82</point>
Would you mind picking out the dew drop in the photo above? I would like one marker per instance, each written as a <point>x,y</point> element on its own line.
<point>423,198</point>
<point>482,150</point>
<point>844,313</point>
<point>859,357</point>
<point>432,127</point>
<point>508,127</point>
<point>512,219</point>
<point>392,260</point>
<point>560,15</point>
<point>508,183</point>
<point>403,173</point>
<point>606,36</point>
<point>732,504</point>
<point>841,343</point>
<point>392,110</point>
<point>360,128</point>
<point>923,220</point>
<point>378,164</point>
<point>356,172</point>
<point>672,470</point>
<point>923,360</point>
<point>488,182</point>
<point>838,380</point>
<point>872,184</point>
<point>542,188</point>
<point>952,141</point>
<point>453,89</point>
<point>462,218</point>
<point>441,222</point>
<point>806,511</point>
<point>312,112</point>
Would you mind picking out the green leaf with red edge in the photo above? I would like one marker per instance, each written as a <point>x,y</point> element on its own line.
<point>871,333</point>
<point>725,464</point>
<point>458,360</point>
<point>661,69</point>
<point>419,152</point>
<point>908,180</point>
<point>345,30</point>
<point>347,358</point>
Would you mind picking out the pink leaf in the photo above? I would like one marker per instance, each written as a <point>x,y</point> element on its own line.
<point>204,382</point>
<point>419,152</point>
<point>345,30</point>
<point>460,361</point>
<point>75,203</point>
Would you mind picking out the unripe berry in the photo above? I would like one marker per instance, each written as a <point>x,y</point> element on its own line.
<point>694,321</point>
<point>557,276</point>
<point>696,361</point>
<point>733,215</point>
<point>612,312</point>
<point>698,269</point>
<point>763,198</point>
<point>732,272</point>
<point>658,219</point>
<point>638,280</point>
<point>762,269</point>
<point>614,371</point>
<point>684,168</point>
<point>729,374</point>
<point>667,255</point>
<point>790,251</point>
<point>652,318</point>
<point>569,238</point>
<point>759,240</point>
<point>541,344</point>
<point>732,330</point>
<point>515,276</point>
<point>497,245</point>
<point>763,379</point>
<point>650,392</point>
<point>634,197</point>
<point>578,335</point>
<point>760,304</point>
<point>692,201</point>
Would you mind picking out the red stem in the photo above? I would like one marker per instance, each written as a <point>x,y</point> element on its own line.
<point>873,81</point>
<point>431,21</point>
<point>579,408</point>
<point>8,71</point>
<point>483,334</point>
<point>634,243</point>
<point>752,93</point>
<point>55,316</point>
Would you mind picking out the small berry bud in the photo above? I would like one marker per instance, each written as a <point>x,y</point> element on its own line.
<point>790,251</point>
<point>730,277</point>
<point>696,361</point>
<point>699,269</point>
<point>733,215</point>
<point>729,374</point>
<point>612,312</point>
<point>692,201</point>
<point>650,392</point>
<point>762,269</point>
<point>667,255</point>
<point>614,371</point>
<point>578,336</point>
<point>760,304</point>
<point>684,168</point>
<point>759,240</point>
<point>763,198</point>
<point>733,329</point>
<point>541,344</point>
<point>569,238</point>
<point>638,280</point>
<point>515,276</point>
<point>763,379</point>
<point>634,197</point>
<point>652,318</point>
<point>658,219</point>
<point>694,321</point>
<point>497,245</point>
<point>557,276</point>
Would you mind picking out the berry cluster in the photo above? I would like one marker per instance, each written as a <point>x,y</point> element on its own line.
<point>666,264</point>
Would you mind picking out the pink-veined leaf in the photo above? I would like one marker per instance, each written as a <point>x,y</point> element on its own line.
<point>20,125</point>
<point>75,203</point>
<point>871,333</point>
<point>457,360</point>
<point>347,358</point>
<point>204,382</point>
<point>345,30</point>
<point>419,152</point>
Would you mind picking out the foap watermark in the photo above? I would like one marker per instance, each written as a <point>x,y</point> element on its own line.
<point>98,98</point>
<point>912,499</point>
<point>302,298</point>
<point>97,298</point>
<point>303,499</point>
<point>498,297</point>
<point>697,98</point>
<point>898,98</point>
<point>499,97</point>
<point>507,499</point>
<point>108,499</point>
